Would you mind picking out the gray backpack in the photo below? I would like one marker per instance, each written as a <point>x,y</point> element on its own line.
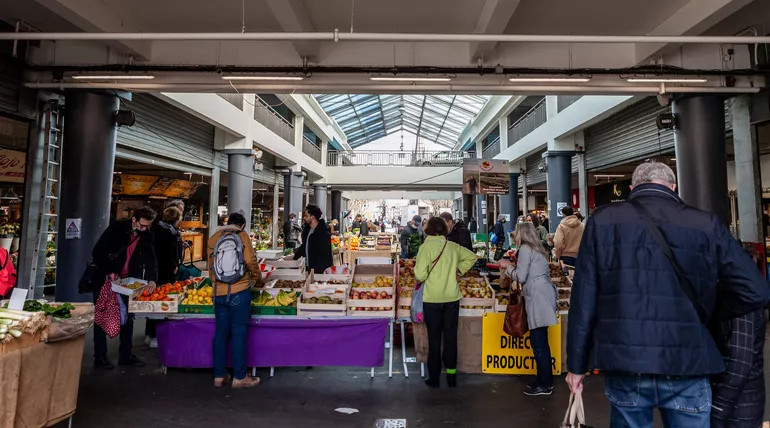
<point>229,265</point>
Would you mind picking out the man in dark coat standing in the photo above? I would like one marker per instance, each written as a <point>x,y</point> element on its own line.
<point>291,231</point>
<point>458,233</point>
<point>316,241</point>
<point>630,316</point>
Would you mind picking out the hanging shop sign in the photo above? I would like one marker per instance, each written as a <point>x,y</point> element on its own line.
<point>12,166</point>
<point>612,192</point>
<point>503,354</point>
<point>485,176</point>
<point>161,186</point>
<point>127,184</point>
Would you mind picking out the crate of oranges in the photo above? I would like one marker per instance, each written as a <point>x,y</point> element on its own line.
<point>198,300</point>
<point>165,298</point>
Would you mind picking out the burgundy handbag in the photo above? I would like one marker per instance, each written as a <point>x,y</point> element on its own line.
<point>515,323</point>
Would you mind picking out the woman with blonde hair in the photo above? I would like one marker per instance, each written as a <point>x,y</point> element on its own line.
<point>532,273</point>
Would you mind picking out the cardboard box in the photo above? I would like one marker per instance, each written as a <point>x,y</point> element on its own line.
<point>167,307</point>
<point>120,287</point>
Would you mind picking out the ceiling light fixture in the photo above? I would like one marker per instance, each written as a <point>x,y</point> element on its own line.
<point>258,77</point>
<point>666,80</point>
<point>408,79</point>
<point>113,77</point>
<point>549,79</point>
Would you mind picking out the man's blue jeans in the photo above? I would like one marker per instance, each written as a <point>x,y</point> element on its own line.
<point>683,401</point>
<point>232,322</point>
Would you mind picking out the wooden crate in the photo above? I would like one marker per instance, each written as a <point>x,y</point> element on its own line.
<point>169,307</point>
<point>329,310</point>
<point>372,303</point>
<point>476,306</point>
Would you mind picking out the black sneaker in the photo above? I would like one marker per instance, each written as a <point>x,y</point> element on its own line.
<point>131,361</point>
<point>103,363</point>
<point>451,380</point>
<point>538,390</point>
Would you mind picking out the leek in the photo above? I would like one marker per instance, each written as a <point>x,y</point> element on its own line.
<point>5,321</point>
<point>3,329</point>
<point>15,333</point>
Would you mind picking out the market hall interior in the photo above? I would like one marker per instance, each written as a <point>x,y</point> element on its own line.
<point>358,107</point>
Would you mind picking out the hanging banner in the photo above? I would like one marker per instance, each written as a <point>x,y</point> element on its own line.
<point>485,176</point>
<point>133,184</point>
<point>161,186</point>
<point>181,189</point>
<point>503,354</point>
<point>12,166</point>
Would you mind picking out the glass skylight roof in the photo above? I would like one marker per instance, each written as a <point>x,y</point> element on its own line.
<point>366,118</point>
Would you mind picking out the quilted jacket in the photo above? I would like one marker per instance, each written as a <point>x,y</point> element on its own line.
<point>628,311</point>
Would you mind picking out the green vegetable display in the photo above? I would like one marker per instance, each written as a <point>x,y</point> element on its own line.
<point>61,311</point>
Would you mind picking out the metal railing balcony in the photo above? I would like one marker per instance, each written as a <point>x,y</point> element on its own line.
<point>531,120</point>
<point>564,101</point>
<point>311,149</point>
<point>387,158</point>
<point>492,150</point>
<point>234,99</point>
<point>267,116</point>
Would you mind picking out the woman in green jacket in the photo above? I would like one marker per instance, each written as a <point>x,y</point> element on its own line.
<point>437,265</point>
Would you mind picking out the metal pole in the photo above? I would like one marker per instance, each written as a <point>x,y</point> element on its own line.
<point>216,172</point>
<point>276,226</point>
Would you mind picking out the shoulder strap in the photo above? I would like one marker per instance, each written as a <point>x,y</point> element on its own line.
<point>684,282</point>
<point>436,261</point>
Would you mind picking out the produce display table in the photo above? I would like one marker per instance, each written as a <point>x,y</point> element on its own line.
<point>39,386</point>
<point>185,341</point>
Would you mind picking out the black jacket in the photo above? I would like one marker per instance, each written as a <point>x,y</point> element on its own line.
<point>460,235</point>
<point>109,253</point>
<point>499,231</point>
<point>739,393</point>
<point>168,250</point>
<point>362,226</point>
<point>628,311</point>
<point>290,230</point>
<point>319,247</point>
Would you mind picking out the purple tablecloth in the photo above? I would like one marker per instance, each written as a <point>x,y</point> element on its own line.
<point>356,342</point>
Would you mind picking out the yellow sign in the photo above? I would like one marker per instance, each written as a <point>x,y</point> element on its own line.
<point>133,184</point>
<point>503,354</point>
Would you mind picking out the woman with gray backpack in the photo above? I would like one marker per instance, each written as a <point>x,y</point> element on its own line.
<point>233,269</point>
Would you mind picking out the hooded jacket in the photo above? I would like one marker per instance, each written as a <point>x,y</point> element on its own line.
<point>566,241</point>
<point>460,235</point>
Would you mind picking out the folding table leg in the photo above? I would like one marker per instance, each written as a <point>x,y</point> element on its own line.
<point>253,372</point>
<point>372,372</point>
<point>422,369</point>
<point>272,371</point>
<point>69,424</point>
<point>403,349</point>
<point>390,359</point>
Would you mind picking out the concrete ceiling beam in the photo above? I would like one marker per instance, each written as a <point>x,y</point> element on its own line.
<point>494,17</point>
<point>294,18</point>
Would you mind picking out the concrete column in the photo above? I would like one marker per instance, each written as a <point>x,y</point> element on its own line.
<point>701,159</point>
<point>503,124</point>
<point>240,182</point>
<point>481,213</point>
<point>525,193</point>
<point>582,184</point>
<point>747,171</point>
<point>216,172</point>
<point>559,181</point>
<point>468,209</point>
<point>513,200</point>
<point>292,193</point>
<point>320,198</point>
<point>299,126</point>
<point>88,160</point>
<point>336,210</point>
<point>551,107</point>
<point>276,219</point>
<point>479,149</point>
<point>324,152</point>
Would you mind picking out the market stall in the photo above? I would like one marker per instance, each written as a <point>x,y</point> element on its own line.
<point>298,319</point>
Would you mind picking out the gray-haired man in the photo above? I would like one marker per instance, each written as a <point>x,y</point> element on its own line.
<point>631,316</point>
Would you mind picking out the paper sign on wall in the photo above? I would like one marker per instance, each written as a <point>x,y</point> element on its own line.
<point>560,206</point>
<point>73,228</point>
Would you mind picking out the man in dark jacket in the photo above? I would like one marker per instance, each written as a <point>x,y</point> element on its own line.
<point>316,241</point>
<point>411,238</point>
<point>458,233</point>
<point>499,231</point>
<point>630,316</point>
<point>291,231</point>
<point>126,250</point>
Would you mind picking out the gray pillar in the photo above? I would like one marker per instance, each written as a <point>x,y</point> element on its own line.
<point>583,184</point>
<point>513,196</point>
<point>525,193</point>
<point>468,209</point>
<point>293,193</point>
<point>559,181</point>
<point>701,160</point>
<point>336,205</point>
<point>276,222</point>
<point>481,216</point>
<point>747,171</point>
<point>88,160</point>
<point>216,173</point>
<point>320,198</point>
<point>240,182</point>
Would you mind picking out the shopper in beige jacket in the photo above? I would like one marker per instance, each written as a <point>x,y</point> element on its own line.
<point>568,236</point>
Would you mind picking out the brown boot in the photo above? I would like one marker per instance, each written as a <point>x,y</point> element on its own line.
<point>220,381</point>
<point>247,382</point>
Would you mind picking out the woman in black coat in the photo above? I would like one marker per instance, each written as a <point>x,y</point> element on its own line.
<point>169,251</point>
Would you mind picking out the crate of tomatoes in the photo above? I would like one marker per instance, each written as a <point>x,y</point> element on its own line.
<point>165,298</point>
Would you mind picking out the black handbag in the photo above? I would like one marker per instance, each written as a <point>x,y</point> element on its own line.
<point>684,282</point>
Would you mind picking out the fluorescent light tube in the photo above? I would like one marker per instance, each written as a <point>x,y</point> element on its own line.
<point>113,76</point>
<point>257,77</point>
<point>553,79</point>
<point>666,80</point>
<point>409,79</point>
